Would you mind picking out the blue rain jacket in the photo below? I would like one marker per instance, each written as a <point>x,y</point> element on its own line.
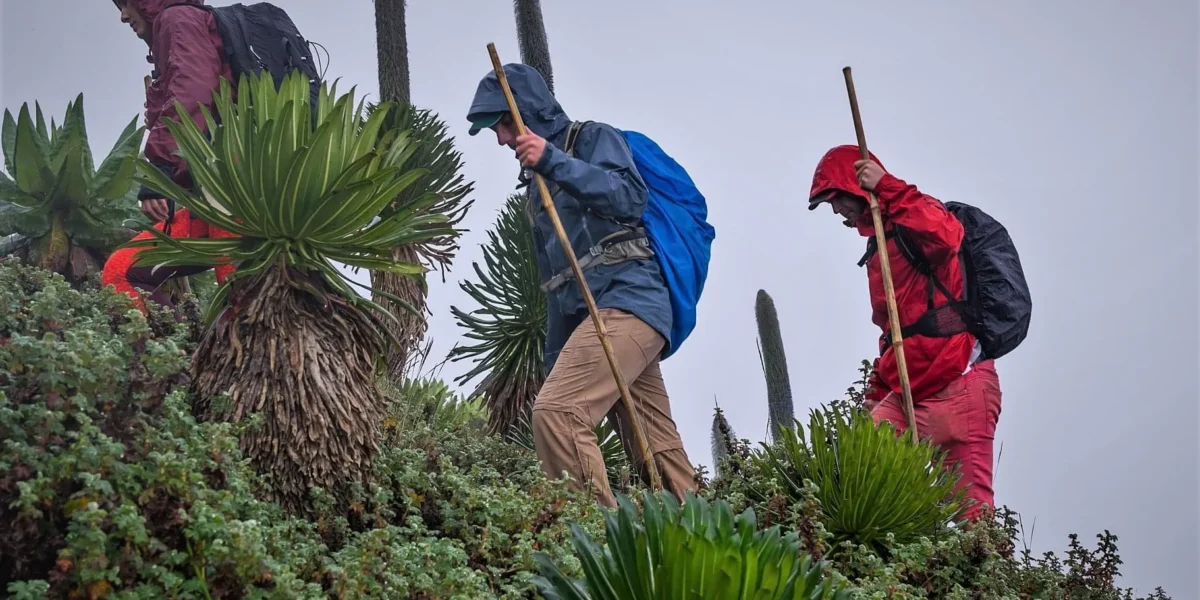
<point>594,193</point>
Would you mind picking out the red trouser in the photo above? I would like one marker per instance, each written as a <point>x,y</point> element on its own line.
<point>961,420</point>
<point>120,272</point>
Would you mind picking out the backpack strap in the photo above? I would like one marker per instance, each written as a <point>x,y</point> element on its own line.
<point>915,257</point>
<point>573,136</point>
<point>615,248</point>
<point>631,243</point>
<point>951,318</point>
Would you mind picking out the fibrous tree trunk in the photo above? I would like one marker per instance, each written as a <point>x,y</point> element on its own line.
<point>779,388</point>
<point>304,361</point>
<point>531,36</point>
<point>391,40</point>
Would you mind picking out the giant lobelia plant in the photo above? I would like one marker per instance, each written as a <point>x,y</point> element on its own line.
<point>780,413</point>
<point>698,552</point>
<point>871,483</point>
<point>293,344</point>
<point>57,210</point>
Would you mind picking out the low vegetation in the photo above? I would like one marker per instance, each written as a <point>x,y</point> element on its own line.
<point>110,487</point>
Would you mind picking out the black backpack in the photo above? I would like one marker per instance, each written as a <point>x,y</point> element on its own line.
<point>997,306</point>
<point>261,36</point>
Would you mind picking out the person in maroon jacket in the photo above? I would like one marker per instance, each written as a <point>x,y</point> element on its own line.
<point>187,54</point>
<point>956,397</point>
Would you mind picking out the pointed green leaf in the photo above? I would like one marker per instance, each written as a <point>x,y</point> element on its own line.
<point>32,222</point>
<point>70,184</point>
<point>117,168</point>
<point>31,170</point>
<point>118,182</point>
<point>8,141</point>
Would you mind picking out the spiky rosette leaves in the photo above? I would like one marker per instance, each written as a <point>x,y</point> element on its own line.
<point>441,164</point>
<point>699,551</point>
<point>57,209</point>
<point>870,482</point>
<point>295,353</point>
<point>300,189</point>
<point>509,327</point>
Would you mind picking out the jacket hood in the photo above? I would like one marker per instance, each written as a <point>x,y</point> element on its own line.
<point>836,171</point>
<point>540,111</point>
<point>150,9</point>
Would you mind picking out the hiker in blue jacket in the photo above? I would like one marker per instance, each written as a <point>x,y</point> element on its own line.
<point>599,197</point>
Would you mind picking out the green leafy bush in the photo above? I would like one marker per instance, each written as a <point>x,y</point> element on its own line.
<point>108,483</point>
<point>106,480</point>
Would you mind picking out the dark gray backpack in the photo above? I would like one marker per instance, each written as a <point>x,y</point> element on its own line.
<point>261,36</point>
<point>997,306</point>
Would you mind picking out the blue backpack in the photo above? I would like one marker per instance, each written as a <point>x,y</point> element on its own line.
<point>676,223</point>
<point>680,234</point>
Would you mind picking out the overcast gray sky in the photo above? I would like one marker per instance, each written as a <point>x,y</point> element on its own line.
<point>1074,123</point>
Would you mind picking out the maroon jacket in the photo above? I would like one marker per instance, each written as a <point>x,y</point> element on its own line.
<point>188,58</point>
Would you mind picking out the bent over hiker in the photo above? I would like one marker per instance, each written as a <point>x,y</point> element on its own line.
<point>955,389</point>
<point>600,198</point>
<point>188,57</point>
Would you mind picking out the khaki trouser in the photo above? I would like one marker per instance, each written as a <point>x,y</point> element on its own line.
<point>581,390</point>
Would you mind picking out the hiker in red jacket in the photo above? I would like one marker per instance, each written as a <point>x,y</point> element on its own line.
<point>956,397</point>
<point>186,51</point>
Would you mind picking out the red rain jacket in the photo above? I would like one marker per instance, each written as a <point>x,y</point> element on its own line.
<point>187,54</point>
<point>932,362</point>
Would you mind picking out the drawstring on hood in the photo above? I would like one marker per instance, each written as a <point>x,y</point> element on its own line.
<point>540,111</point>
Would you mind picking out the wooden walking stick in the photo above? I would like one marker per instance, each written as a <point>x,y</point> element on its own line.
<point>630,411</point>
<point>881,241</point>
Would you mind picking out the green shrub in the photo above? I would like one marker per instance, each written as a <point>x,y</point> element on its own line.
<point>108,483</point>
<point>106,480</point>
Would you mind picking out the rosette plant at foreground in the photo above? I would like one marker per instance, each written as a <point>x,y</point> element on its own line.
<point>57,211</point>
<point>870,483</point>
<point>292,343</point>
<point>699,551</point>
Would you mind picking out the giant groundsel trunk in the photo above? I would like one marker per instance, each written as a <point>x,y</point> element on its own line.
<point>391,38</point>
<point>531,36</point>
<point>293,345</point>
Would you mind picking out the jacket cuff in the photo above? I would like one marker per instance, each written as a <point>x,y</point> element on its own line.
<point>889,187</point>
<point>551,158</point>
<point>145,193</point>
